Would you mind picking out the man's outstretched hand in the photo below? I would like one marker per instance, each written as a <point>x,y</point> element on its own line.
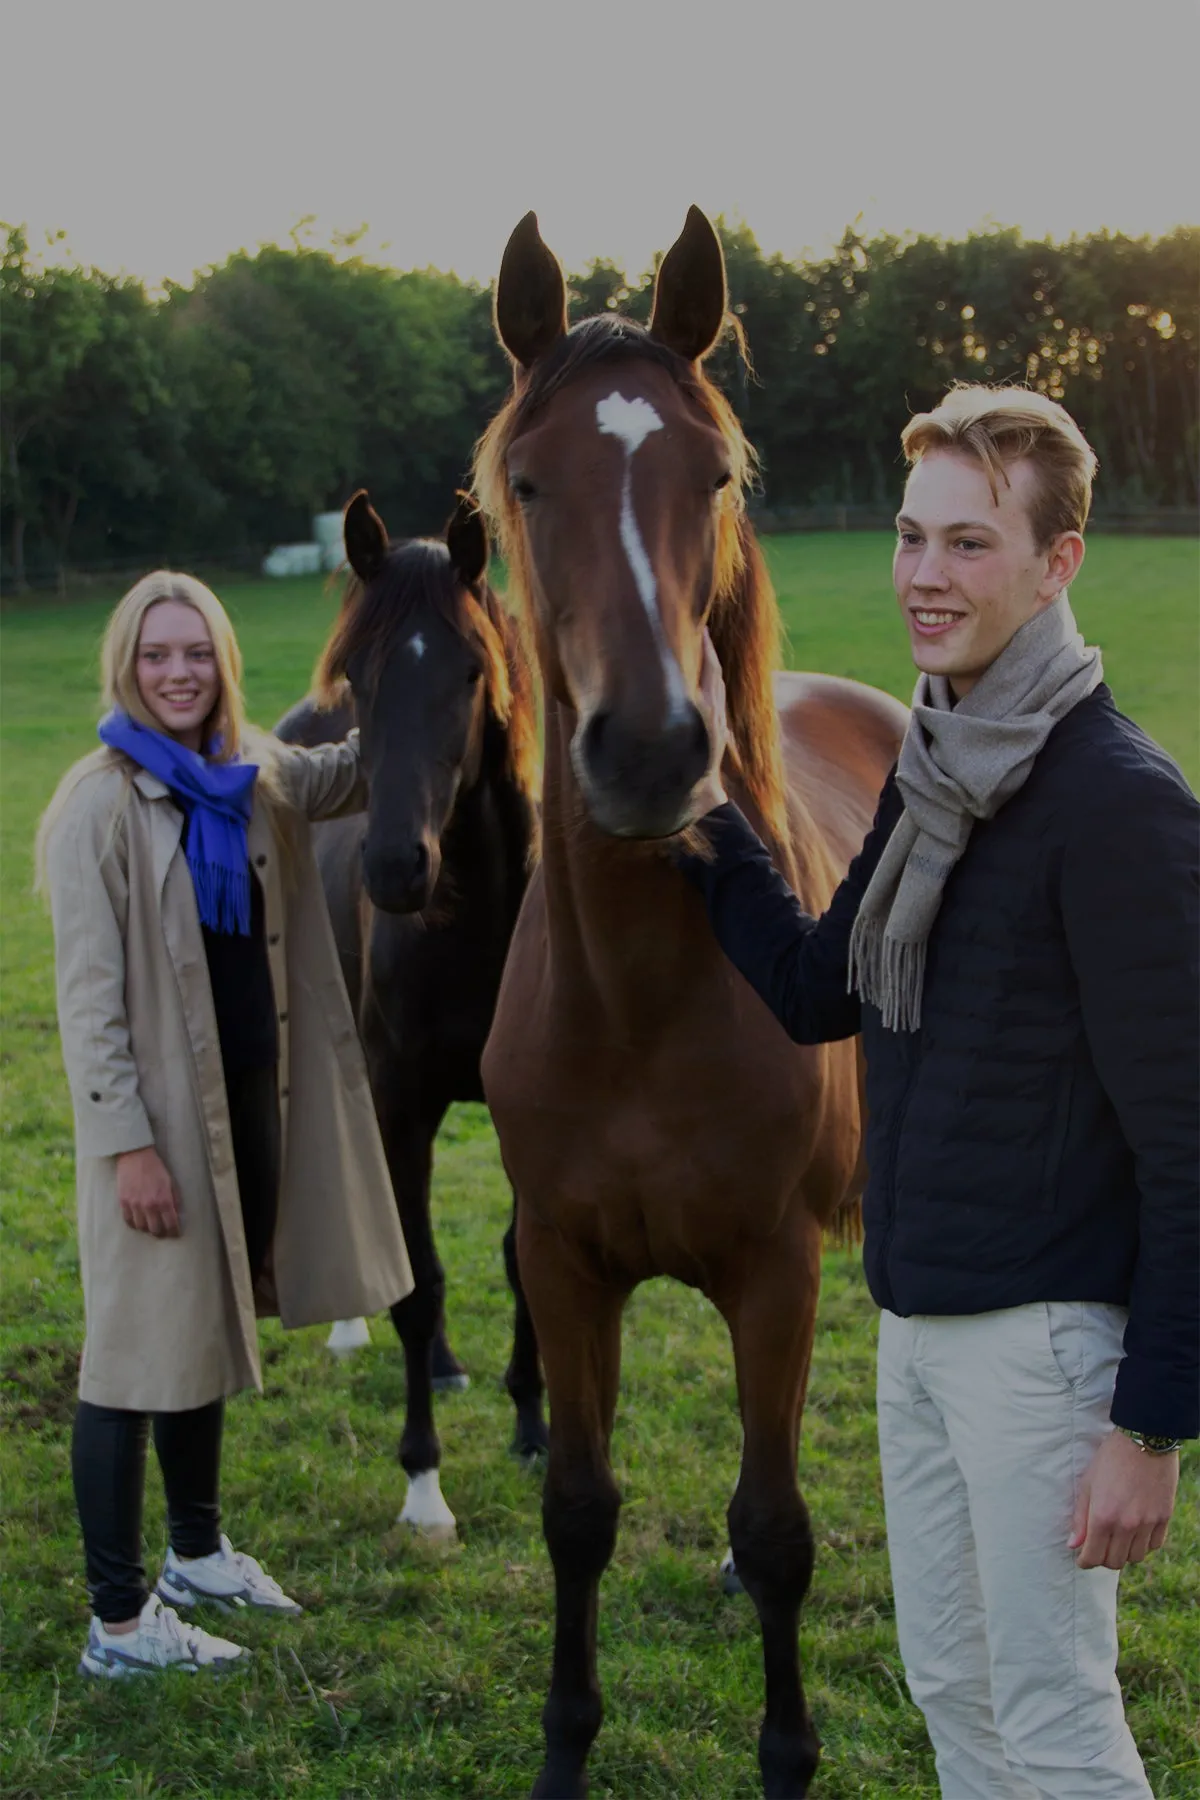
<point>711,791</point>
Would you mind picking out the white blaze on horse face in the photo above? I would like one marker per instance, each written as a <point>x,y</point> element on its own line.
<point>632,421</point>
<point>417,645</point>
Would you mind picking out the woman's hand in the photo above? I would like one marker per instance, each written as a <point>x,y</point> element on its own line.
<point>147,1194</point>
<point>711,791</point>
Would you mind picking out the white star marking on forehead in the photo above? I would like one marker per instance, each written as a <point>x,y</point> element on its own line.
<point>631,422</point>
<point>417,645</point>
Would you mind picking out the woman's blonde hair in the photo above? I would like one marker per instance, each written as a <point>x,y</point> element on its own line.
<point>226,726</point>
<point>998,426</point>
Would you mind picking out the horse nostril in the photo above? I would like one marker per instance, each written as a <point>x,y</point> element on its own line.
<point>696,736</point>
<point>596,735</point>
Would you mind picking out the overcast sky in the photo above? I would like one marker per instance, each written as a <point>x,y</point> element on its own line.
<point>163,136</point>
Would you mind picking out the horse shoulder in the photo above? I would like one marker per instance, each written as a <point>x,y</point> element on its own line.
<point>309,724</point>
<point>840,738</point>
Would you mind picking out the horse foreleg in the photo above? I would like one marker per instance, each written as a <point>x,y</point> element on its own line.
<point>523,1377</point>
<point>578,1321</point>
<point>416,1318</point>
<point>771,1318</point>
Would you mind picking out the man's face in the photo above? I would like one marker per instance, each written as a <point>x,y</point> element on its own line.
<point>967,571</point>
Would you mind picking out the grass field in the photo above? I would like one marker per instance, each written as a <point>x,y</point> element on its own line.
<point>420,1673</point>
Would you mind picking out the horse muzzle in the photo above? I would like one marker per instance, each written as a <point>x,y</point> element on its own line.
<point>402,877</point>
<point>640,785</point>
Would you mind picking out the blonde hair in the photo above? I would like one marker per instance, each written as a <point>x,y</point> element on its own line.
<point>999,426</point>
<point>226,723</point>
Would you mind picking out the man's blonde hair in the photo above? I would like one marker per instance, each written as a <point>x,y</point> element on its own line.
<point>119,653</point>
<point>999,426</point>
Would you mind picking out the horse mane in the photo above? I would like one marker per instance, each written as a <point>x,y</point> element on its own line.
<point>744,621</point>
<point>373,615</point>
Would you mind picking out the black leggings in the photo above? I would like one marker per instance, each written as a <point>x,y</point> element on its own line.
<point>108,1449</point>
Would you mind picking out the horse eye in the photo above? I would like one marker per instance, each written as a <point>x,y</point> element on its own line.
<point>722,481</point>
<point>474,676</point>
<point>522,488</point>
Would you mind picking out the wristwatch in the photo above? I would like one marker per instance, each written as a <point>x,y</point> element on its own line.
<point>1153,1446</point>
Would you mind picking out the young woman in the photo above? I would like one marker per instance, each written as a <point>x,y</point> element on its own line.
<point>228,1160</point>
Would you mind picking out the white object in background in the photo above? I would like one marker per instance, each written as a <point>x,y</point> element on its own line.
<point>348,1335</point>
<point>327,530</point>
<point>293,559</point>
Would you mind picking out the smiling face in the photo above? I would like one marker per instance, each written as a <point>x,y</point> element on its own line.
<point>967,569</point>
<point>177,673</point>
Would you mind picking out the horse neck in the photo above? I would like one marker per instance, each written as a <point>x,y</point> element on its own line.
<point>489,837</point>
<point>621,922</point>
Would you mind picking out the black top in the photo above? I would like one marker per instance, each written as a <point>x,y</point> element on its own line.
<point>243,993</point>
<point>1037,1138</point>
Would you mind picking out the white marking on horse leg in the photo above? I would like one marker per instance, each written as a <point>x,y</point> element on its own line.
<point>425,1508</point>
<point>632,421</point>
<point>348,1335</point>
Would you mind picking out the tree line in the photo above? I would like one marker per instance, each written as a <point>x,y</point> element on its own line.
<point>209,421</point>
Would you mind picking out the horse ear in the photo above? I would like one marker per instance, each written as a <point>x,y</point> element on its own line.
<point>690,295</point>
<point>531,295</point>
<point>365,536</point>
<point>467,541</point>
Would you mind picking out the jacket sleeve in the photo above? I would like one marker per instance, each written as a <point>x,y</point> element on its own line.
<point>326,781</point>
<point>88,902</point>
<point>798,965</point>
<point>1129,901</point>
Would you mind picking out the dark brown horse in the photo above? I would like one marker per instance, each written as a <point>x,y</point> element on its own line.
<point>653,1117</point>
<point>424,890</point>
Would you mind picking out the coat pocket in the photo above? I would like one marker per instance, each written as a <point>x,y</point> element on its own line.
<point>1056,1137</point>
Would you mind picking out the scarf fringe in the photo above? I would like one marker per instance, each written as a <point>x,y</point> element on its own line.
<point>222,896</point>
<point>887,973</point>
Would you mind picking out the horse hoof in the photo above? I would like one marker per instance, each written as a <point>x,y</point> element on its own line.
<point>451,1384</point>
<point>346,1336</point>
<point>426,1511</point>
<point>448,1374</point>
<point>731,1581</point>
<point>529,1455</point>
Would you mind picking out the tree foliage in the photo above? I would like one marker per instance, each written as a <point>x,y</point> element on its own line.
<point>217,418</point>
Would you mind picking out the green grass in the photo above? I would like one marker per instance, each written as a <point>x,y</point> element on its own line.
<point>420,1673</point>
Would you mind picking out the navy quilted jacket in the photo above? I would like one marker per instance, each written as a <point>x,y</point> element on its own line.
<point>1038,1138</point>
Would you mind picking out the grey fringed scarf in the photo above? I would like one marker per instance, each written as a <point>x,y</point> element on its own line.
<point>958,764</point>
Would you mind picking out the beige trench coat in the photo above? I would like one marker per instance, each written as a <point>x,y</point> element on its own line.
<point>171,1321</point>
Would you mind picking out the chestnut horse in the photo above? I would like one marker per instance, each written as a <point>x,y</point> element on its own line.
<point>653,1116</point>
<point>423,892</point>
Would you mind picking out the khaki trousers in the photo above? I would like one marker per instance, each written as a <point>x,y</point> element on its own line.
<point>986,1424</point>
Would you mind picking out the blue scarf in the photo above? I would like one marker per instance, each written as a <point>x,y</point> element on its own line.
<point>216,798</point>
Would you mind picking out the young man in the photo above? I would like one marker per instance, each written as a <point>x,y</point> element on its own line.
<point>1017,943</point>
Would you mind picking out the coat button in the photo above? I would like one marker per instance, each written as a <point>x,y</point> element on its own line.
<point>260,862</point>
<point>283,1018</point>
<point>274,938</point>
<point>284,1092</point>
<point>93,1096</point>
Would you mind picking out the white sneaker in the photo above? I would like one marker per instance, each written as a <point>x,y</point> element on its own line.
<point>227,1579</point>
<point>161,1641</point>
<point>348,1335</point>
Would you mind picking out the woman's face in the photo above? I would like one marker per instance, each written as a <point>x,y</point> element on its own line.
<point>177,673</point>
